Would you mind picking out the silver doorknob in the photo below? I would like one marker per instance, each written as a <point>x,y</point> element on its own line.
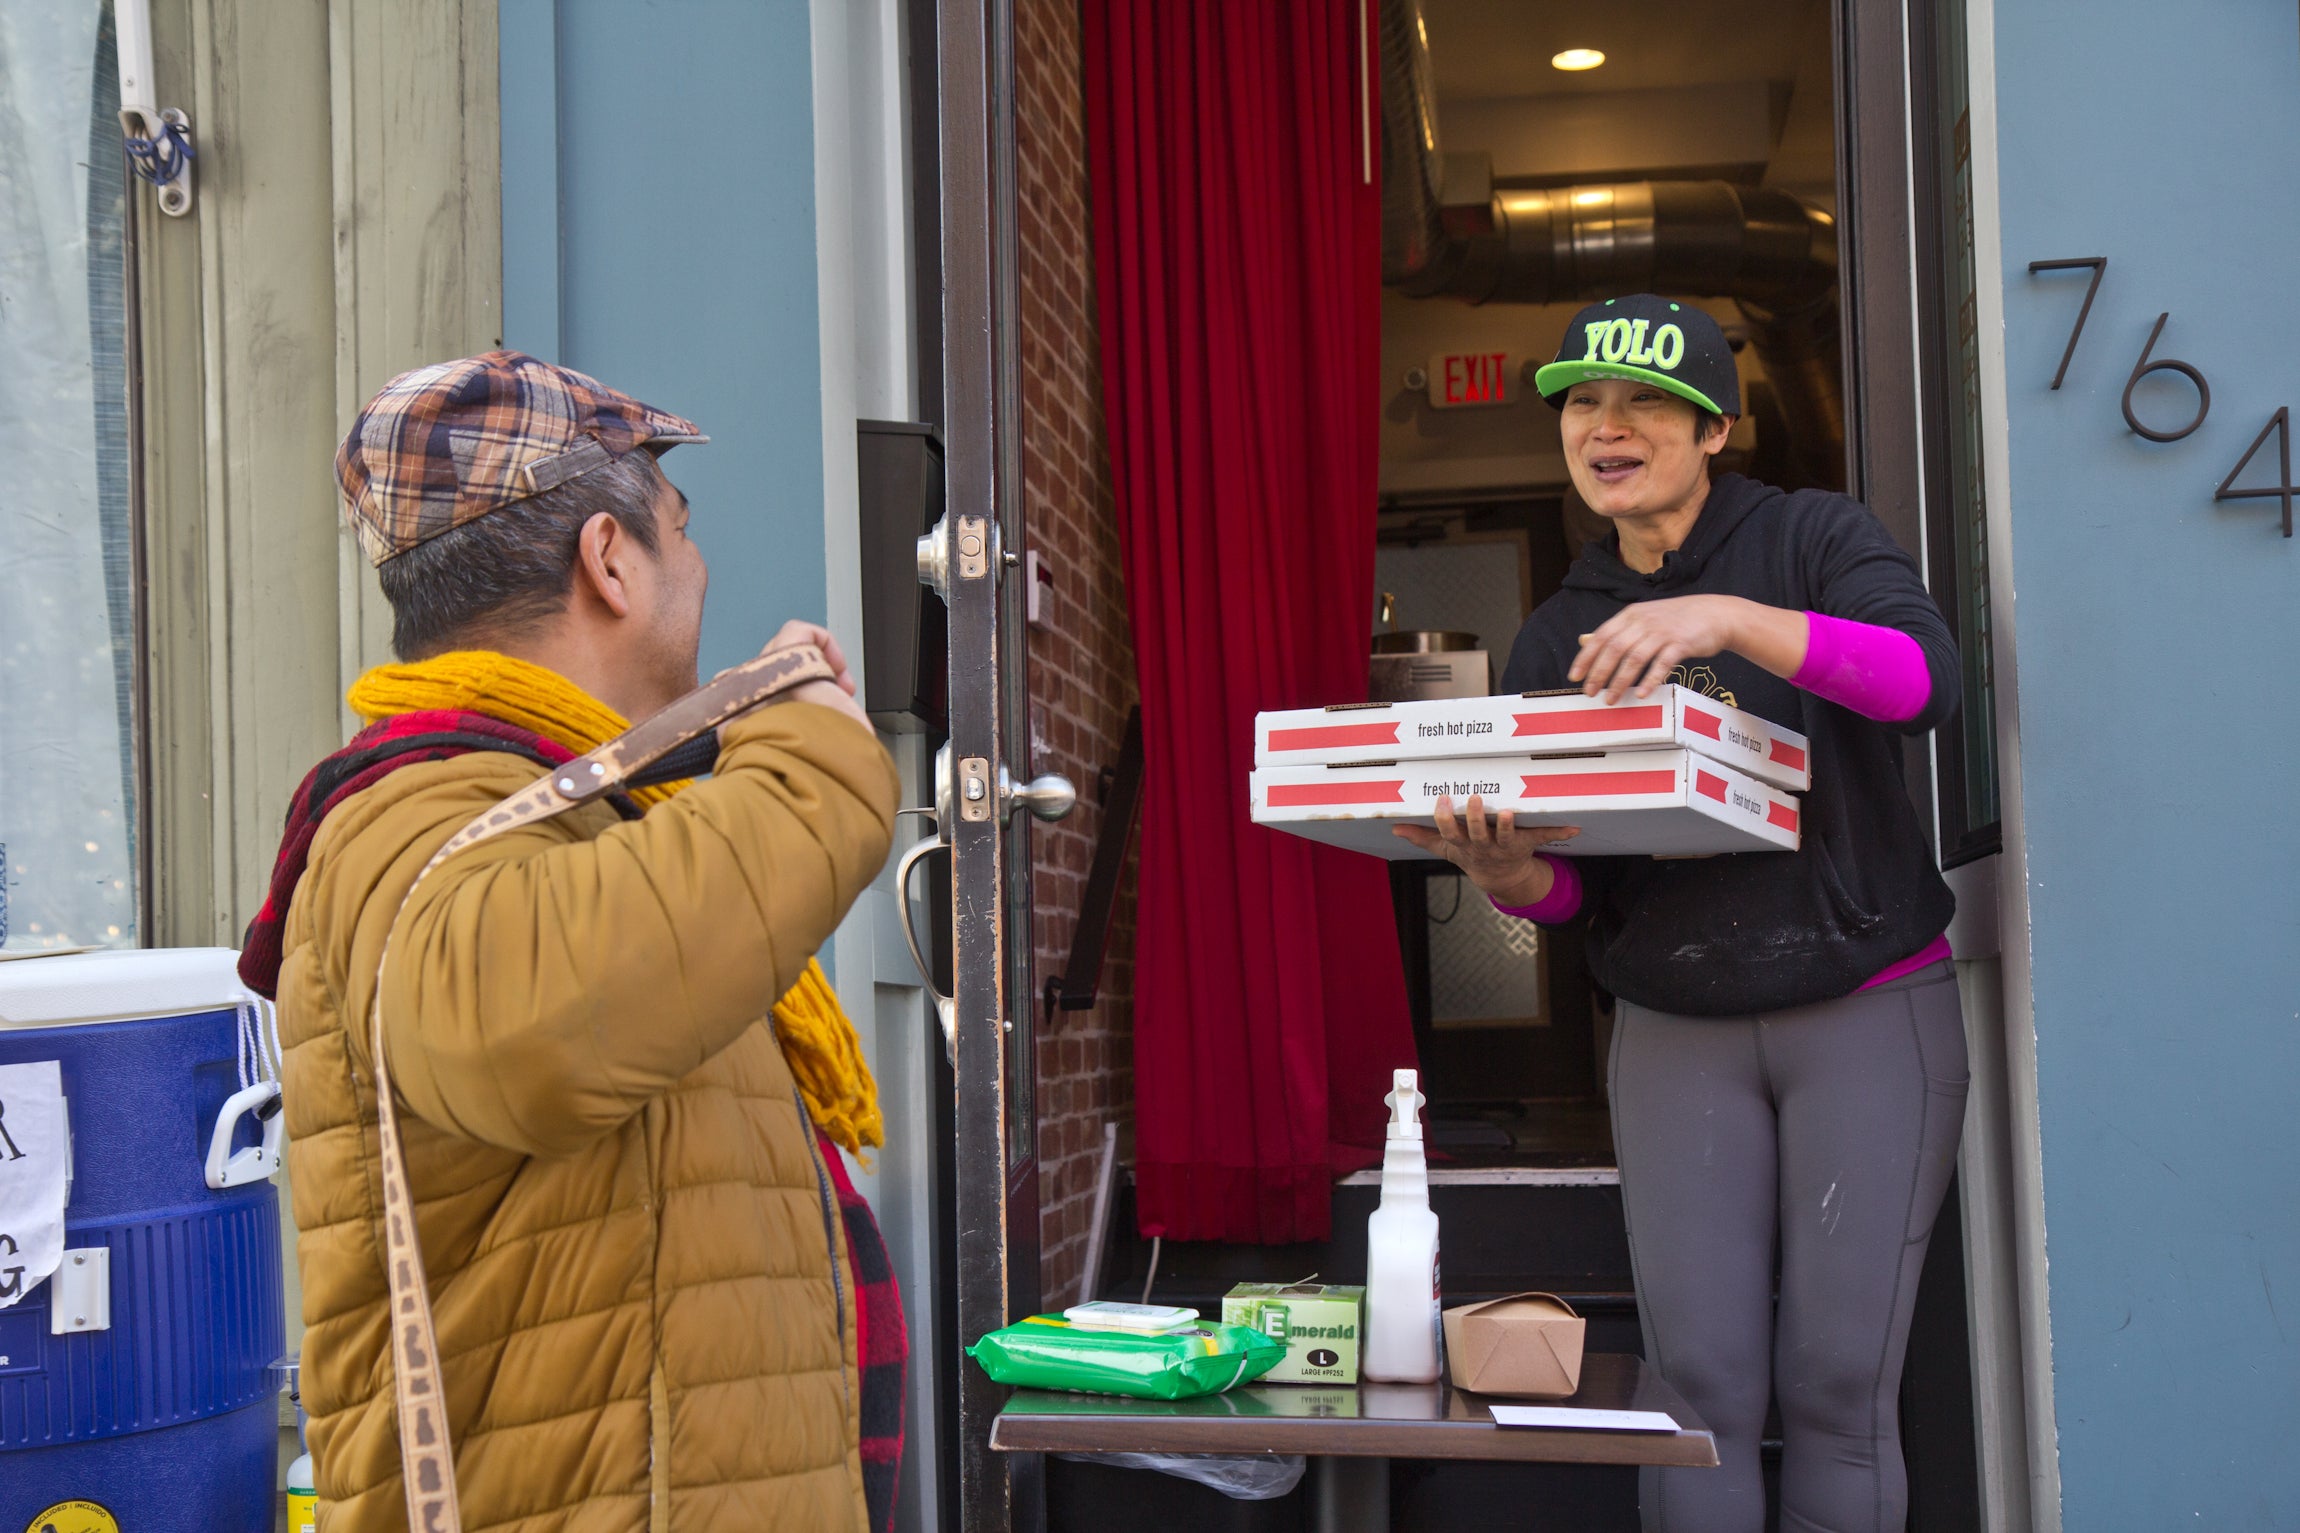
<point>934,559</point>
<point>1047,798</point>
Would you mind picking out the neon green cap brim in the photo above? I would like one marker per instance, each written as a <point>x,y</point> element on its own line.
<point>1555,378</point>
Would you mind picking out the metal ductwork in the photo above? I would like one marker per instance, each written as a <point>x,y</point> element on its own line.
<point>1447,233</point>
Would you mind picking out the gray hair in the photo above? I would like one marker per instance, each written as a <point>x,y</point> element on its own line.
<point>502,574</point>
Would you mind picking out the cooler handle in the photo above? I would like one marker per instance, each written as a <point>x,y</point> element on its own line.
<point>256,1161</point>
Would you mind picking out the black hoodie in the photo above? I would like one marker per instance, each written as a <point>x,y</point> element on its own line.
<point>1762,931</point>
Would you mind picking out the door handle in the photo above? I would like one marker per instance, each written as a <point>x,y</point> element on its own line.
<point>1049,797</point>
<point>945,1009</point>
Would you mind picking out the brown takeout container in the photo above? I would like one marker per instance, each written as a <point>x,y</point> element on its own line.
<point>1525,1344</point>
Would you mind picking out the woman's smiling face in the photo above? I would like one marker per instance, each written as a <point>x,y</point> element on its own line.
<point>1631,448</point>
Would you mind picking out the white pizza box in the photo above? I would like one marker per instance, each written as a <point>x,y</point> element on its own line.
<point>1532,724</point>
<point>1663,803</point>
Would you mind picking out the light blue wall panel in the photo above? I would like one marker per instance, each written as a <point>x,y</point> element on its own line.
<point>658,233</point>
<point>2159,654</point>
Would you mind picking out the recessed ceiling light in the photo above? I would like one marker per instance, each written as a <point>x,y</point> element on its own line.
<point>1577,58</point>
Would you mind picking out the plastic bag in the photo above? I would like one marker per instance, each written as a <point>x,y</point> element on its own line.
<point>1048,1352</point>
<point>1240,1476</point>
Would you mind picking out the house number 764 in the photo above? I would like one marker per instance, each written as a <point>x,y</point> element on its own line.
<point>2280,423</point>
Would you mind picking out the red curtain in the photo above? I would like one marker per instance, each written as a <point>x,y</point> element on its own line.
<point>1238,261</point>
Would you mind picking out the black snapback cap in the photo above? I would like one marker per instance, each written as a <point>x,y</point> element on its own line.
<point>1646,339</point>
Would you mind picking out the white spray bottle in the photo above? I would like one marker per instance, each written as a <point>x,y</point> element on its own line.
<point>1402,1323</point>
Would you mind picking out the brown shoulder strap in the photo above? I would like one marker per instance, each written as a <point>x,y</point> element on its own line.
<point>427,1457</point>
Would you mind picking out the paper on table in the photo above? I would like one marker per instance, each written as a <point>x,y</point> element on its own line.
<point>1582,1420</point>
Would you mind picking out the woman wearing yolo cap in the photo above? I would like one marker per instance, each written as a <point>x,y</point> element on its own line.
<point>1789,1061</point>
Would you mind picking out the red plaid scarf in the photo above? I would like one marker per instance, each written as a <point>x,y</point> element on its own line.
<point>881,1338</point>
<point>373,754</point>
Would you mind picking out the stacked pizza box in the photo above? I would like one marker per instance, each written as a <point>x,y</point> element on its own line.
<point>1675,774</point>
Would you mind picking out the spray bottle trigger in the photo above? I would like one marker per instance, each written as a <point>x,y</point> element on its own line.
<point>1406,1103</point>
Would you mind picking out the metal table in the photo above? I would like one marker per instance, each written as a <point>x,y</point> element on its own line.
<point>1351,1433</point>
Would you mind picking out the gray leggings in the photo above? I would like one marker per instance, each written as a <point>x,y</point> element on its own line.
<point>1831,1129</point>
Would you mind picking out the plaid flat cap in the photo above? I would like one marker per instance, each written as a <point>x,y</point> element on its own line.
<point>456,440</point>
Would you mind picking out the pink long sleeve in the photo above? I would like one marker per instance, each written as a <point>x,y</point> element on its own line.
<point>1879,673</point>
<point>1560,904</point>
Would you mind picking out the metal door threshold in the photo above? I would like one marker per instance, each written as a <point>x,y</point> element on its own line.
<point>1501,1176</point>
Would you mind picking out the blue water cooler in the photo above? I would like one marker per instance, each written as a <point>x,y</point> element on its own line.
<point>139,1379</point>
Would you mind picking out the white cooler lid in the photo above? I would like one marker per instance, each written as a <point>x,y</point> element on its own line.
<point>118,986</point>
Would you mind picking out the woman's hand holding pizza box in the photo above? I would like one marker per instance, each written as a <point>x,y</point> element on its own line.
<point>1497,855</point>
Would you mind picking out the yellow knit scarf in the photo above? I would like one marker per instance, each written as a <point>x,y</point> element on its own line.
<point>818,1039</point>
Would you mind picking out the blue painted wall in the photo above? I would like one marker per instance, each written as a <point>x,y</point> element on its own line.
<point>659,234</point>
<point>2159,646</point>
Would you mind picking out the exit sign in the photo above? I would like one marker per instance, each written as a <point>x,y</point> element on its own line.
<point>1462,378</point>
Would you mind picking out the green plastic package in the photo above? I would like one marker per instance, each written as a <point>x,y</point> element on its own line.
<point>1048,1352</point>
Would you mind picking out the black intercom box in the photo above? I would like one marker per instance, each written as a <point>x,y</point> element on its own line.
<point>906,677</point>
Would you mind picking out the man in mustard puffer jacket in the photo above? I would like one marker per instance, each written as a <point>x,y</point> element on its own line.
<point>646,1312</point>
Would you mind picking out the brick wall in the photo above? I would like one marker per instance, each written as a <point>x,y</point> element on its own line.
<point>1082,664</point>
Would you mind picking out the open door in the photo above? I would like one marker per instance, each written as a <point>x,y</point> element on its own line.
<point>982,813</point>
<point>1857,93</point>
